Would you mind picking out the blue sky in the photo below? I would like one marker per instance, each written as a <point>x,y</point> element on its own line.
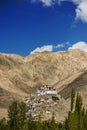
<point>27,26</point>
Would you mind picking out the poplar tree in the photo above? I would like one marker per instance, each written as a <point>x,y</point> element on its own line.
<point>72,99</point>
<point>17,115</point>
<point>78,106</point>
<point>13,115</point>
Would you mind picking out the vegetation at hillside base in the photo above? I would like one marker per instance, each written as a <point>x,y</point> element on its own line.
<point>19,120</point>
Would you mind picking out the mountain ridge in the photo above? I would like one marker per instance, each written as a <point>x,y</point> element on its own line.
<point>20,75</point>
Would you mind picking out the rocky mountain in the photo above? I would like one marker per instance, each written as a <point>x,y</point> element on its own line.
<point>19,76</point>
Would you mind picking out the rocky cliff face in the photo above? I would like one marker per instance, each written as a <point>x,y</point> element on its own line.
<point>20,75</point>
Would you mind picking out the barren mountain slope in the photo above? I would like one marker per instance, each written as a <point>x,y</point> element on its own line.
<point>54,67</point>
<point>79,84</point>
<point>19,75</point>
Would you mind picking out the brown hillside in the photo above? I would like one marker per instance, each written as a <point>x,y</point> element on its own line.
<point>20,75</point>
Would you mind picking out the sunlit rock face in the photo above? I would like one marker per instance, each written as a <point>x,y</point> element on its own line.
<point>19,76</point>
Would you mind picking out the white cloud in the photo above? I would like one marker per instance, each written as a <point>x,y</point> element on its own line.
<point>49,48</point>
<point>79,45</point>
<point>45,2</point>
<point>59,46</point>
<point>81,11</point>
<point>52,2</point>
<point>48,2</point>
<point>81,7</point>
<point>43,48</point>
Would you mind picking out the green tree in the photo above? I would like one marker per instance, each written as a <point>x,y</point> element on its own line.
<point>78,110</point>
<point>3,124</point>
<point>66,126</point>
<point>22,114</point>
<point>73,121</point>
<point>78,106</point>
<point>72,99</point>
<point>17,115</point>
<point>13,115</point>
<point>85,121</point>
